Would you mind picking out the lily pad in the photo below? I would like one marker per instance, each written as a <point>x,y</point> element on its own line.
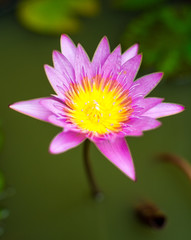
<point>55,16</point>
<point>165,38</point>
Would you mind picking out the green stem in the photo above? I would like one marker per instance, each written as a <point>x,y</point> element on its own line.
<point>94,188</point>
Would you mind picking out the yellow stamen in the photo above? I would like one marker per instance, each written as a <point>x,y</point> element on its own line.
<point>99,106</point>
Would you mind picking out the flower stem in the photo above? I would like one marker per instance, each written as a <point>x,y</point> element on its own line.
<point>96,193</point>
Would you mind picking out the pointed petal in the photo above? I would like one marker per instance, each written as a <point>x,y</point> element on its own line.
<point>144,104</point>
<point>65,141</point>
<point>112,64</point>
<point>62,65</point>
<point>132,133</point>
<point>163,110</point>
<point>58,82</point>
<point>82,65</point>
<point>129,70</point>
<point>101,54</point>
<point>129,53</point>
<point>54,106</point>
<point>118,153</point>
<point>145,84</point>
<point>57,121</point>
<point>32,108</point>
<point>141,123</point>
<point>68,48</point>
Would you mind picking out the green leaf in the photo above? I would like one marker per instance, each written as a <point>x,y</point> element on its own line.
<point>55,16</point>
<point>164,36</point>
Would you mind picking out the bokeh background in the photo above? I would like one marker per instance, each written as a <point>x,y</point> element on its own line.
<point>45,196</point>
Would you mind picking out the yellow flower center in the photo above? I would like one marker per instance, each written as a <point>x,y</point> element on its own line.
<point>98,107</point>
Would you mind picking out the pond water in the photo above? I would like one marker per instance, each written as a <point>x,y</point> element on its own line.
<point>52,199</point>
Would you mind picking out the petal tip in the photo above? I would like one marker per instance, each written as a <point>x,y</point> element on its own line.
<point>117,50</point>
<point>134,179</point>
<point>10,106</point>
<point>46,67</point>
<point>15,106</point>
<point>104,39</point>
<point>140,55</point>
<point>55,53</point>
<point>65,36</point>
<point>160,74</point>
<point>136,47</point>
<point>182,108</point>
<point>81,49</point>
<point>51,151</point>
<point>138,58</point>
<point>132,175</point>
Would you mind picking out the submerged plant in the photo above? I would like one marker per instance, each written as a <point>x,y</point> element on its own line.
<point>165,36</point>
<point>99,100</point>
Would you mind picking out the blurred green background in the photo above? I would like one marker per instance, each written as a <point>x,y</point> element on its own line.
<point>49,197</point>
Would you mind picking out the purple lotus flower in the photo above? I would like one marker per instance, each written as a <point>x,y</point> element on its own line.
<point>99,100</point>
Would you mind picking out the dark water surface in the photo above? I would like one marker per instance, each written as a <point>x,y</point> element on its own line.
<point>52,198</point>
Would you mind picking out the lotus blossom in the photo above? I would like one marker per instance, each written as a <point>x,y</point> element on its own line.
<point>99,100</point>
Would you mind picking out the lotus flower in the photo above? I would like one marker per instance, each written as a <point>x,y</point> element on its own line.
<point>99,100</point>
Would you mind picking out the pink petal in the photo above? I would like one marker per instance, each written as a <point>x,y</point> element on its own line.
<point>32,108</point>
<point>164,109</point>
<point>144,85</point>
<point>82,65</point>
<point>129,70</point>
<point>140,124</point>
<point>129,53</point>
<point>144,104</point>
<point>56,121</point>
<point>68,48</point>
<point>62,64</point>
<point>118,153</point>
<point>134,133</point>
<point>65,141</point>
<point>101,54</point>
<point>54,106</point>
<point>57,80</point>
<point>112,64</point>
